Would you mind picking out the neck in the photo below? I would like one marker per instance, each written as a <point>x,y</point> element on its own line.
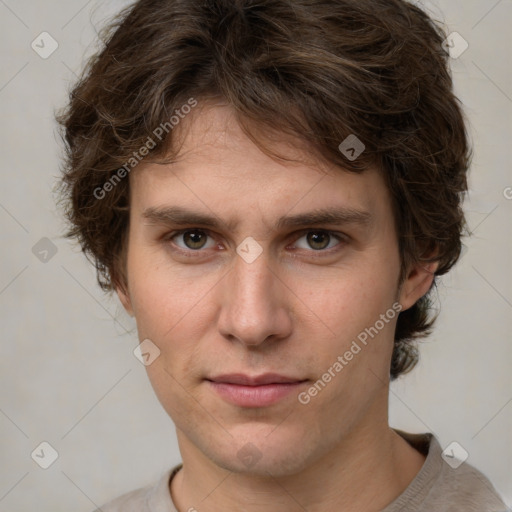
<point>367,471</point>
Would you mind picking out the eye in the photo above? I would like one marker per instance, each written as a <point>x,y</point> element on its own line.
<point>193,239</point>
<point>317,240</point>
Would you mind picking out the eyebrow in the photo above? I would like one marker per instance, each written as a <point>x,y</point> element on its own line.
<point>178,216</point>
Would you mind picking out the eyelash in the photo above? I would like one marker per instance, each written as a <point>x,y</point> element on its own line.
<point>191,253</point>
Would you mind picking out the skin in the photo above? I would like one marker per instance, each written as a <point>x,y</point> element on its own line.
<point>292,311</point>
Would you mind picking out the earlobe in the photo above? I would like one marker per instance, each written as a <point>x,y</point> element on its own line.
<point>417,283</point>
<point>124,297</point>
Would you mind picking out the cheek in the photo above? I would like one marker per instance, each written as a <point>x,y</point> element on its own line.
<point>350,300</point>
<point>164,299</point>
<point>172,315</point>
<point>354,358</point>
<point>348,309</point>
<point>175,311</point>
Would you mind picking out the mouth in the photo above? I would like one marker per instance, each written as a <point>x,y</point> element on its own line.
<point>254,391</point>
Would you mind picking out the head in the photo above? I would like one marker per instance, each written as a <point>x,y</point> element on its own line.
<point>230,118</point>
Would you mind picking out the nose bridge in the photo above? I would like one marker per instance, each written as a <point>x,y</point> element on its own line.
<point>254,307</point>
<point>252,286</point>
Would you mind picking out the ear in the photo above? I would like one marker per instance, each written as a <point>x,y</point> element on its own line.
<point>417,283</point>
<point>124,297</point>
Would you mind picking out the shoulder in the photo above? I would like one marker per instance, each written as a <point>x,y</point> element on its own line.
<point>466,486</point>
<point>134,501</point>
<point>151,498</point>
<point>446,484</point>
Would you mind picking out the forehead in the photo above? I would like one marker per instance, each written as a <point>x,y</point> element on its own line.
<point>213,129</point>
<point>219,168</point>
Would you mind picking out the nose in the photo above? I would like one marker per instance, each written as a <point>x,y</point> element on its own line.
<point>255,304</point>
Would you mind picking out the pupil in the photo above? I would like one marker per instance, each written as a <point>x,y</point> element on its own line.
<point>194,239</point>
<point>318,241</point>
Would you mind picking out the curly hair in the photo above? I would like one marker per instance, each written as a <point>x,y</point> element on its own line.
<point>320,70</point>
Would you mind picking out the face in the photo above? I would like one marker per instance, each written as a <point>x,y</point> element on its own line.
<point>257,279</point>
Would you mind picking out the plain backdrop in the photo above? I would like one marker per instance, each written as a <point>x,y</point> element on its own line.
<point>68,375</point>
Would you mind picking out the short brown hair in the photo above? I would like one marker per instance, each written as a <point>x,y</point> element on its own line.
<point>320,70</point>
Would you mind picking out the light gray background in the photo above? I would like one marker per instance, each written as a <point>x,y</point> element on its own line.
<point>68,374</point>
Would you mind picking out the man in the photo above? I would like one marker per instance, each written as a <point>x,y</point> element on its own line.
<point>271,187</point>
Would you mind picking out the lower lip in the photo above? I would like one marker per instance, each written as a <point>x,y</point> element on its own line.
<point>255,396</point>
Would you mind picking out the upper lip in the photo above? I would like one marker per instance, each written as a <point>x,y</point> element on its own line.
<point>257,380</point>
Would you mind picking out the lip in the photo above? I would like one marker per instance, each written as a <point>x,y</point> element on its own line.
<point>254,391</point>
<point>257,380</point>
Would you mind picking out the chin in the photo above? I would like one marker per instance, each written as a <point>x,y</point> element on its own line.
<point>261,454</point>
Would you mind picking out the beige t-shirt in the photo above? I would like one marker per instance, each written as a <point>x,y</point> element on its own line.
<point>436,488</point>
